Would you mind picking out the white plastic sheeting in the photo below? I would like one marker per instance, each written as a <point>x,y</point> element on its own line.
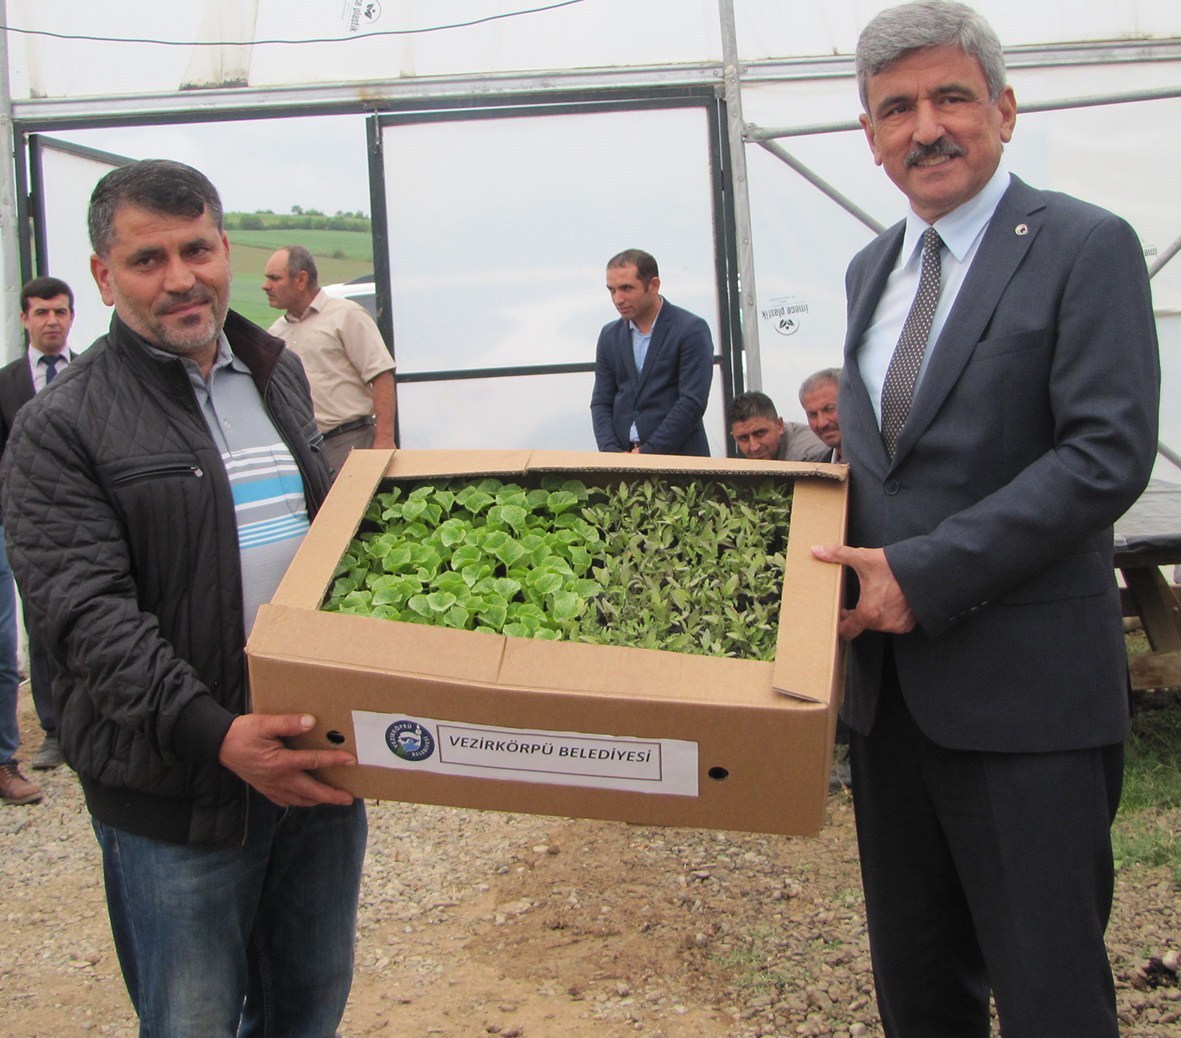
<point>580,35</point>
<point>498,228</point>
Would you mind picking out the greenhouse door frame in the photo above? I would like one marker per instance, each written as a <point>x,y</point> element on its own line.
<point>580,102</point>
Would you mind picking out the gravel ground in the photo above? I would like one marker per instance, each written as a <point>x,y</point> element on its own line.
<point>480,923</point>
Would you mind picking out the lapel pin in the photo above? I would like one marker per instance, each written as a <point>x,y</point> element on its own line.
<point>1021,228</point>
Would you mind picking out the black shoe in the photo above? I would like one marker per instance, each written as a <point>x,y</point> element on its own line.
<point>48,755</point>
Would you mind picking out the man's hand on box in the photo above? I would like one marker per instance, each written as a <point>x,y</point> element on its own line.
<point>882,605</point>
<point>253,750</point>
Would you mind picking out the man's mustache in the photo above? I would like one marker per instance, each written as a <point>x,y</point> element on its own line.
<point>942,146</point>
<point>179,302</point>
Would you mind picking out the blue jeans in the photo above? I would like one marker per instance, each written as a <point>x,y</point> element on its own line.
<point>10,680</point>
<point>255,940</point>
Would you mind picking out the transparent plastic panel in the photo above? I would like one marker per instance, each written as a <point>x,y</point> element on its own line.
<point>500,231</point>
<point>504,413</point>
<point>69,181</point>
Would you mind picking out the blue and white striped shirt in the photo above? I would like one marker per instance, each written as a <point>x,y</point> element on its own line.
<point>268,489</point>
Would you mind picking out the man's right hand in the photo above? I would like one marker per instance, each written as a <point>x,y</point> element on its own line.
<point>253,750</point>
<point>882,605</point>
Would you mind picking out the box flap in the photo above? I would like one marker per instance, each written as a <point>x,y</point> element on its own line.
<point>436,464</point>
<point>584,461</point>
<point>370,643</point>
<point>627,671</point>
<point>336,524</point>
<point>807,653</point>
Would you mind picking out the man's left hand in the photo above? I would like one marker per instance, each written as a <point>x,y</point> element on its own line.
<point>882,605</point>
<point>253,750</point>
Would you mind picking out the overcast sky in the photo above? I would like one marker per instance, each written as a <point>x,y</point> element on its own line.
<point>317,163</point>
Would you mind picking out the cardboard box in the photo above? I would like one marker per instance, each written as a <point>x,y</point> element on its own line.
<point>480,720</point>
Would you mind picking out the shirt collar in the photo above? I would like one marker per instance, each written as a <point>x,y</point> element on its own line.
<point>225,356</point>
<point>35,355</point>
<point>959,228</point>
<point>315,306</point>
<point>635,329</point>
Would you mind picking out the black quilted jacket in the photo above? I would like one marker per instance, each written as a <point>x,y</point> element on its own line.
<point>122,535</point>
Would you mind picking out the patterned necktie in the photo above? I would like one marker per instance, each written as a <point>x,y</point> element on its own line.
<point>898,389</point>
<point>51,363</point>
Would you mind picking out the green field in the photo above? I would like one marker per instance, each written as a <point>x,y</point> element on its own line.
<point>332,244</point>
<point>248,260</point>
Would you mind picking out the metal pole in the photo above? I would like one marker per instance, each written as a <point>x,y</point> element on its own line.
<point>1168,453</point>
<point>1164,258</point>
<point>13,334</point>
<point>819,182</point>
<point>742,226</point>
<point>758,133</point>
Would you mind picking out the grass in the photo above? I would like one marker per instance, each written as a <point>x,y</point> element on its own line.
<point>756,965</point>
<point>345,245</point>
<point>249,261</point>
<point>1147,830</point>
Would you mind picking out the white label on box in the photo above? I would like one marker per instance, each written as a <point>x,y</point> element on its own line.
<point>553,758</point>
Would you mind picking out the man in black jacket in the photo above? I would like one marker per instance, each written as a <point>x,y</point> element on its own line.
<point>153,500</point>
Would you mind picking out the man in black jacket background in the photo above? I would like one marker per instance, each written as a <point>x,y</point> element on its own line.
<point>153,498</point>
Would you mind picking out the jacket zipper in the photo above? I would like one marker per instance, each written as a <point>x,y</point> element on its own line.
<point>151,471</point>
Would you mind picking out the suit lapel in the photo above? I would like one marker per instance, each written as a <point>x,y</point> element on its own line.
<point>626,353</point>
<point>1000,254</point>
<point>24,383</point>
<point>864,305</point>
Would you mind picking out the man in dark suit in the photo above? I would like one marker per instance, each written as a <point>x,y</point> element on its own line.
<point>998,409</point>
<point>653,367</point>
<point>47,312</point>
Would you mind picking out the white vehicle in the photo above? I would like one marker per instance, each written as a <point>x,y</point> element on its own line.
<point>360,290</point>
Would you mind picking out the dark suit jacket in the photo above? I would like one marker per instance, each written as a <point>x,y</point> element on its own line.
<point>667,398</point>
<point>16,390</point>
<point>1033,429</point>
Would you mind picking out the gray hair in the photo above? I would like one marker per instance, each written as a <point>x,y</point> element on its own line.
<point>299,259</point>
<point>897,31</point>
<point>156,185</point>
<point>826,377</point>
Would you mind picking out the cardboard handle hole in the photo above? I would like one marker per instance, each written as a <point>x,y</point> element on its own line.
<point>718,774</point>
<point>334,737</point>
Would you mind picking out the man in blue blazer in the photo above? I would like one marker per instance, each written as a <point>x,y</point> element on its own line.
<point>998,410</point>
<point>653,367</point>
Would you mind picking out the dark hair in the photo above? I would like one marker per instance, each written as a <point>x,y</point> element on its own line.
<point>155,185</point>
<point>298,258</point>
<point>897,31</point>
<point>746,406</point>
<point>45,288</point>
<point>824,377</point>
<point>644,263</point>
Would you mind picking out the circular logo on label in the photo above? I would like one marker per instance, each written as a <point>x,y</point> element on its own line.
<point>787,326</point>
<point>409,740</point>
<point>371,11</point>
